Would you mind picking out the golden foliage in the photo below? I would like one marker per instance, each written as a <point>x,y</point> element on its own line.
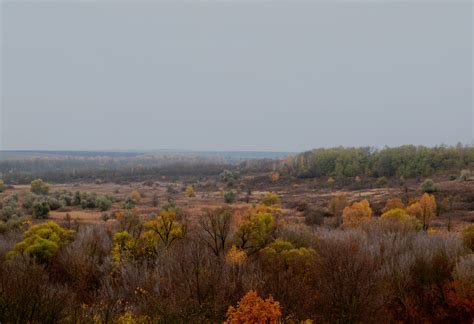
<point>165,228</point>
<point>271,199</point>
<point>393,203</point>
<point>357,213</point>
<point>236,256</point>
<point>424,209</point>
<point>401,216</point>
<point>253,309</point>
<point>190,191</point>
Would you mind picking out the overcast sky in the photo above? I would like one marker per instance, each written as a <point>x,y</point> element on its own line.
<point>284,76</point>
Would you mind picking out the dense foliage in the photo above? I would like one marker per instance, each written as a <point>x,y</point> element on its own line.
<point>407,161</point>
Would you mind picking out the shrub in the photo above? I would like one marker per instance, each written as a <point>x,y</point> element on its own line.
<point>230,196</point>
<point>428,186</point>
<point>103,203</point>
<point>270,199</point>
<point>41,209</point>
<point>54,203</point>
<point>2,186</point>
<point>468,237</point>
<point>88,200</point>
<point>39,187</point>
<point>313,217</point>
<point>29,200</point>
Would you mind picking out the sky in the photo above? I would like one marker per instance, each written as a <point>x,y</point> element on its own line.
<point>228,75</point>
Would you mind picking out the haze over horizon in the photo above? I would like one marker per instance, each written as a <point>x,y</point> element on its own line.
<point>225,76</point>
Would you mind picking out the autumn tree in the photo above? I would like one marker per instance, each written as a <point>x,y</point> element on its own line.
<point>254,309</point>
<point>424,209</point>
<point>215,224</point>
<point>42,241</point>
<point>357,213</point>
<point>255,231</point>
<point>400,216</point>
<point>393,203</point>
<point>166,228</point>
<point>2,186</point>
<point>123,246</point>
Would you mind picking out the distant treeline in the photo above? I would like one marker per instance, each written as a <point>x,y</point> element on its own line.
<point>62,170</point>
<point>407,161</point>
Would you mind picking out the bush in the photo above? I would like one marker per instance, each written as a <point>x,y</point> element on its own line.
<point>29,200</point>
<point>103,203</point>
<point>54,203</point>
<point>313,217</point>
<point>41,209</point>
<point>270,199</point>
<point>39,187</point>
<point>428,186</point>
<point>230,196</point>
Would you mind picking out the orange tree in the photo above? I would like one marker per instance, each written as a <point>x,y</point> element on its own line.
<point>254,309</point>
<point>357,213</point>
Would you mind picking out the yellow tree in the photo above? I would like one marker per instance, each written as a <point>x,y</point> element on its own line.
<point>337,205</point>
<point>399,215</point>
<point>165,227</point>
<point>254,309</point>
<point>424,209</point>
<point>357,213</point>
<point>190,191</point>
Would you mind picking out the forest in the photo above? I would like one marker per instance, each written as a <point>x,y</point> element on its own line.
<point>341,235</point>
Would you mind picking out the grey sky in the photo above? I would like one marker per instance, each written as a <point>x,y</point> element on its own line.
<point>235,76</point>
